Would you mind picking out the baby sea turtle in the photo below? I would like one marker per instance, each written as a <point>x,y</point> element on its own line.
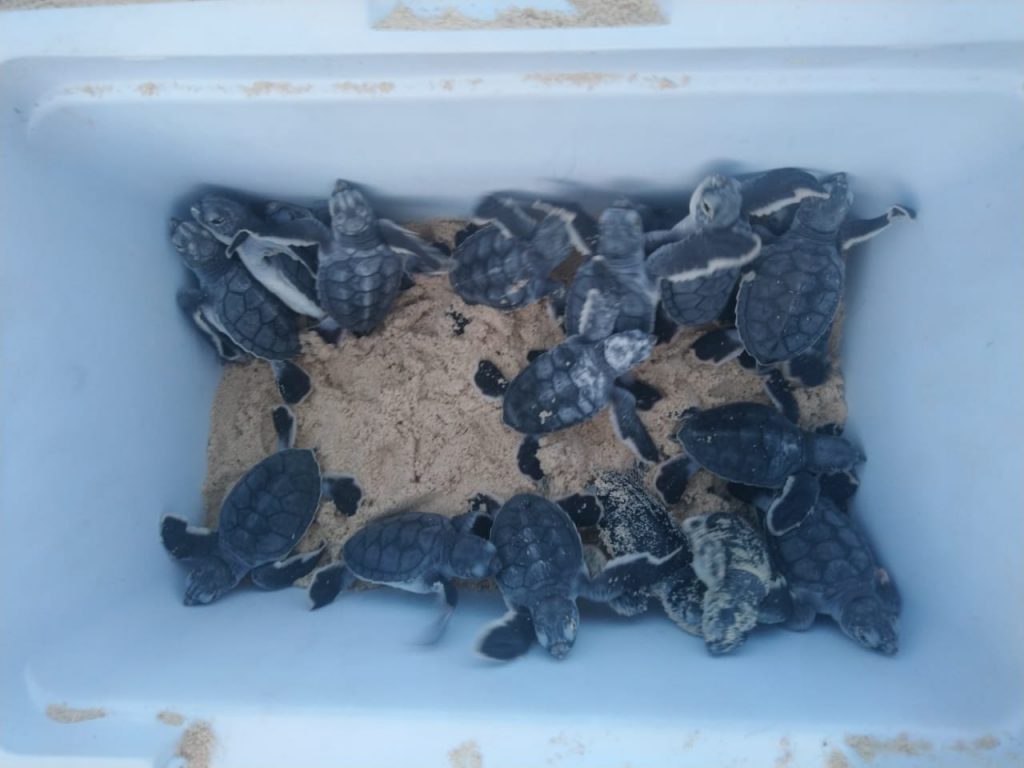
<point>742,588</point>
<point>571,383</point>
<point>788,300</point>
<point>507,263</point>
<point>630,520</point>
<point>413,551</point>
<point>542,573</point>
<point>229,303</point>
<point>699,260</point>
<point>267,248</point>
<point>754,444</point>
<point>261,520</point>
<point>831,569</point>
<point>618,273</point>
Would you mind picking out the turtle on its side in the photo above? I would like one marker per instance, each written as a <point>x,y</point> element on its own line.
<point>417,552</point>
<point>573,382</point>
<point>742,587</point>
<point>755,445</point>
<point>542,572</point>
<point>832,570</point>
<point>262,518</point>
<point>236,312</point>
<point>507,262</point>
<point>630,520</point>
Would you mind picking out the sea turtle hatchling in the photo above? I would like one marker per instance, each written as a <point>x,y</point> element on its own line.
<point>698,261</point>
<point>413,551</point>
<point>571,383</point>
<point>231,305</point>
<point>542,573</point>
<point>754,444</point>
<point>262,518</point>
<point>507,263</point>
<point>789,299</point>
<point>742,588</point>
<point>630,520</point>
<point>831,569</point>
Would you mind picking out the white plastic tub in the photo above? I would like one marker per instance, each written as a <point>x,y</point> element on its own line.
<point>109,116</point>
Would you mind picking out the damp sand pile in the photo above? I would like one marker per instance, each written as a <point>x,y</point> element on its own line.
<point>585,13</point>
<point>399,411</point>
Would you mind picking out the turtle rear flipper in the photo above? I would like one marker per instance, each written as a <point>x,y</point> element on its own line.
<point>647,395</point>
<point>449,598</point>
<point>344,492</point>
<point>771,191</point>
<point>527,459</point>
<point>630,428</point>
<point>683,600</point>
<point>718,346</point>
<point>292,382</point>
<point>777,605</point>
<point>186,542</point>
<point>192,302</point>
<point>886,590</point>
<point>584,509</point>
<point>490,380</point>
<point>284,573</point>
<point>794,502</point>
<point>284,426</point>
<point>507,638</point>
<point>802,617</point>
<point>781,395</point>
<point>673,477</point>
<point>418,255</point>
<point>665,327</point>
<point>328,583</point>
<point>856,231</point>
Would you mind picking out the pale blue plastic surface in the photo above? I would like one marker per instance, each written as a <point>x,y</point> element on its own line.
<point>108,117</point>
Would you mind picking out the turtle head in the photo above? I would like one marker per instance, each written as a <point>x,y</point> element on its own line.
<point>473,557</point>
<point>208,581</point>
<point>717,202</point>
<point>624,350</point>
<point>824,215</point>
<point>555,620</point>
<point>200,249</point>
<point>866,620</point>
<point>350,211</point>
<point>621,232</point>
<point>222,216</point>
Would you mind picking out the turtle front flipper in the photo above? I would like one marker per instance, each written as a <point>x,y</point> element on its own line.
<point>418,256</point>
<point>186,542</point>
<point>449,599</point>
<point>527,459</point>
<point>794,502</point>
<point>292,382</point>
<point>673,477</point>
<point>630,428</point>
<point>657,238</point>
<point>507,638</point>
<point>328,583</point>
<point>479,518</point>
<point>284,573</point>
<point>628,573</point>
<point>291,224</point>
<point>718,346</point>
<point>771,191</point>
<point>781,395</point>
<point>856,231</point>
<point>344,492</point>
<point>584,509</point>
<point>703,254</point>
<point>490,380</point>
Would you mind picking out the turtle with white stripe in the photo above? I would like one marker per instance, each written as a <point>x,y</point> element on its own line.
<point>262,518</point>
<point>419,552</point>
<point>236,312</point>
<point>542,573</point>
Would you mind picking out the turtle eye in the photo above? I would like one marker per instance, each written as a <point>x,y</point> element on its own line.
<point>216,220</point>
<point>706,207</point>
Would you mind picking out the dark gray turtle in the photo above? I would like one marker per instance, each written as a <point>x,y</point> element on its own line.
<point>788,300</point>
<point>261,520</point>
<point>230,304</point>
<point>414,551</point>
<point>742,587</point>
<point>267,248</point>
<point>831,569</point>
<point>507,262</point>
<point>630,520</point>
<point>754,444</point>
<point>542,573</point>
<point>616,272</point>
<point>571,383</point>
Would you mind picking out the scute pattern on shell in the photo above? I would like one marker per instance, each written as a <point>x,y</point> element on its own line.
<point>397,548</point>
<point>634,306</point>
<point>498,271</point>
<point>255,319</point>
<point>792,299</point>
<point>744,442</point>
<point>700,301</point>
<point>565,386</point>
<point>271,506</point>
<point>539,548</point>
<point>358,284</point>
